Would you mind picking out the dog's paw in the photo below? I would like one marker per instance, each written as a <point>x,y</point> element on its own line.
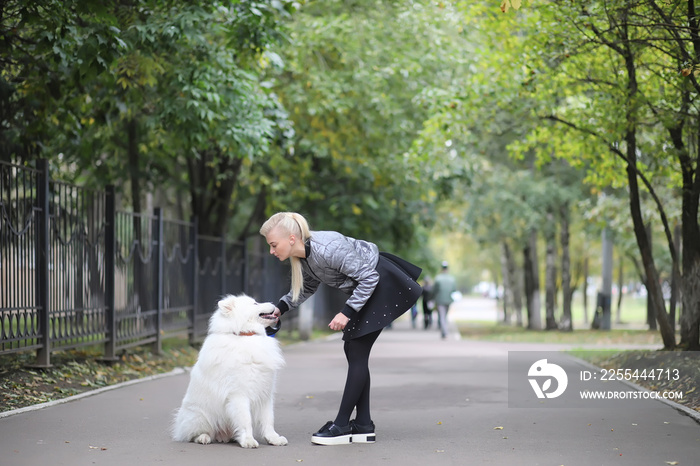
<point>204,439</point>
<point>276,440</point>
<point>248,442</point>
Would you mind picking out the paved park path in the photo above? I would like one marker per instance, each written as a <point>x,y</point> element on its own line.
<point>435,402</point>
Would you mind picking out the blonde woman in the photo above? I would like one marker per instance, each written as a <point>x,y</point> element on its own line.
<point>380,286</point>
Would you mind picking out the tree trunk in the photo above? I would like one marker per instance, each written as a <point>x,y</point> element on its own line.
<point>134,164</point>
<point>653,286</point>
<point>691,297</point>
<point>690,169</point>
<point>601,319</point>
<point>643,242</point>
<point>213,179</point>
<point>507,283</point>
<point>140,288</point>
<point>620,284</point>
<point>517,294</point>
<point>527,283</point>
<point>690,294</point>
<point>257,217</point>
<point>652,277</point>
<point>689,244</point>
<point>566,320</point>
<point>675,279</point>
<point>516,286</point>
<point>532,283</point>
<point>550,273</point>
<point>651,312</point>
<point>585,290</point>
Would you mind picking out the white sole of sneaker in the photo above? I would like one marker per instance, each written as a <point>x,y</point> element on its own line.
<point>364,438</point>
<point>339,440</point>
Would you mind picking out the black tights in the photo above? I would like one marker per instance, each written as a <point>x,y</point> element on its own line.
<point>356,394</point>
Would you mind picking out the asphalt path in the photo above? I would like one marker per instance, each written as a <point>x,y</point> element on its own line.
<point>434,401</point>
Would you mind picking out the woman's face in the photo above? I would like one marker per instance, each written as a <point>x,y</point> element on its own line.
<point>280,243</point>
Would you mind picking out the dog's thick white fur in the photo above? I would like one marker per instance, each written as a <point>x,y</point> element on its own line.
<point>232,383</point>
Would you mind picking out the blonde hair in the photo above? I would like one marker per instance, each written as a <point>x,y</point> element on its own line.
<point>295,224</point>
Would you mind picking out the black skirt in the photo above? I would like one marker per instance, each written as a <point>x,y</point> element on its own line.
<point>396,292</point>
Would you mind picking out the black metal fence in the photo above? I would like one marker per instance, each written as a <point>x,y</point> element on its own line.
<point>75,272</point>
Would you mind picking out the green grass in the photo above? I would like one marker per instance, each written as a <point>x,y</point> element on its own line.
<point>507,333</point>
<point>598,356</point>
<point>632,312</point>
<point>628,326</point>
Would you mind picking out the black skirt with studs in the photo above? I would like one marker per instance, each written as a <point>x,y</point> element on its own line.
<point>396,292</point>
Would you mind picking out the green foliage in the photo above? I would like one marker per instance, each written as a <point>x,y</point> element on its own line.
<point>383,119</point>
<point>355,84</point>
<point>50,51</point>
<point>146,95</point>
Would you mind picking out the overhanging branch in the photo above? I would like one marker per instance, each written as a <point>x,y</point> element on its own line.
<point>611,146</point>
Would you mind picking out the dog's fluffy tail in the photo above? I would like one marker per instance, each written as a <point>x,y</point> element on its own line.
<point>176,427</point>
<point>189,425</point>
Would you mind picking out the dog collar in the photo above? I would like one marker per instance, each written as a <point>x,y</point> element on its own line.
<point>245,334</point>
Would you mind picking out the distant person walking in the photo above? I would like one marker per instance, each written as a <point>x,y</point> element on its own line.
<point>443,288</point>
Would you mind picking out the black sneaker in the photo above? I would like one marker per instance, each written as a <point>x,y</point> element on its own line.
<point>331,434</point>
<point>363,434</point>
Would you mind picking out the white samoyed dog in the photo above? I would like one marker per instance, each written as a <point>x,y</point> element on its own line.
<point>232,383</point>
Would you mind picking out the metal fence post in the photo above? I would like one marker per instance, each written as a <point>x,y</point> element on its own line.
<point>110,264</point>
<point>158,344</point>
<point>43,355</point>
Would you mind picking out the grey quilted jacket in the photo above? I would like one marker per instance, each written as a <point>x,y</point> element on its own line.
<point>340,262</point>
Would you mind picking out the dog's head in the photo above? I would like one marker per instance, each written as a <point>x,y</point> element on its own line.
<point>241,314</point>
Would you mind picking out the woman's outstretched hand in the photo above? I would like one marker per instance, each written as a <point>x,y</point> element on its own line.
<point>339,322</point>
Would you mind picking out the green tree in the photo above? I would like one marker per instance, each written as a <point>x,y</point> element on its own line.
<point>151,96</point>
<point>49,51</point>
<point>355,83</point>
<point>486,110</point>
<point>630,34</point>
<point>620,74</point>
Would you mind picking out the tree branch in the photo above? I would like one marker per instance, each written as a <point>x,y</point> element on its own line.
<point>618,152</point>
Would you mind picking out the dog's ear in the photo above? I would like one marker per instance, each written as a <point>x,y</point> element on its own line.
<point>227,304</point>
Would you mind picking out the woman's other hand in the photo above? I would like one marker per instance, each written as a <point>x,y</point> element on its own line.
<point>339,322</point>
